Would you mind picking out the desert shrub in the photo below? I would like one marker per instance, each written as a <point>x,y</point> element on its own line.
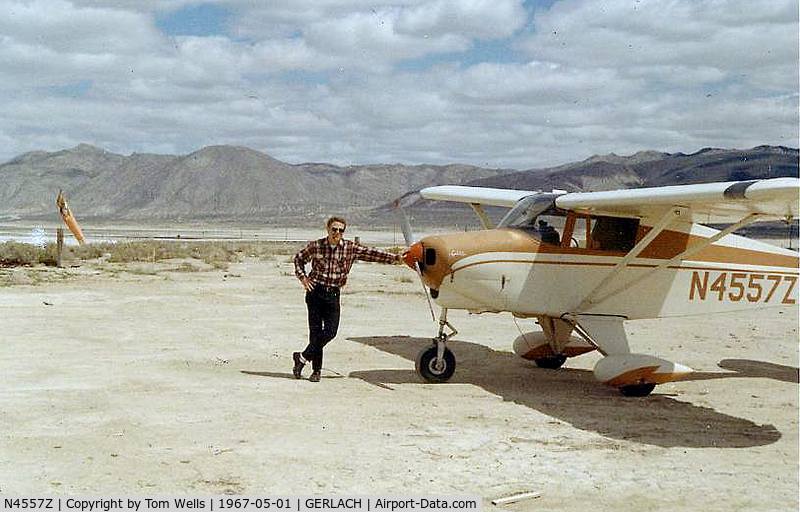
<point>266,249</point>
<point>186,267</point>
<point>86,251</point>
<point>217,254</point>
<point>14,254</point>
<point>126,252</point>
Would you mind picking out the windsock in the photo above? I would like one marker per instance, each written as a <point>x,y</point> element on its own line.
<point>68,218</point>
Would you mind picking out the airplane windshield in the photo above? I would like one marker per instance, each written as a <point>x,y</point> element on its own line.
<point>527,210</point>
<point>535,214</point>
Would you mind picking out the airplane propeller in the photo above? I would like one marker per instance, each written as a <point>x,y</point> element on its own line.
<point>413,255</point>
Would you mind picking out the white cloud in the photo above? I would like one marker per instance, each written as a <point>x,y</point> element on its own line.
<point>469,18</point>
<point>145,6</point>
<point>652,34</point>
<point>329,80</point>
<point>537,83</point>
<point>59,26</point>
<point>371,40</point>
<point>291,53</point>
<point>374,35</point>
<point>282,18</point>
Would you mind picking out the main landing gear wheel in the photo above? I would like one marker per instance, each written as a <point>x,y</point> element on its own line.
<point>637,389</point>
<point>428,368</point>
<point>551,362</point>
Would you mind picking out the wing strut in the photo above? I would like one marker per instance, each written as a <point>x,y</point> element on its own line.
<point>486,222</point>
<point>697,247</point>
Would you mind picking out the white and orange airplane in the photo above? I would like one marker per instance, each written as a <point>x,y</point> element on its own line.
<point>584,263</point>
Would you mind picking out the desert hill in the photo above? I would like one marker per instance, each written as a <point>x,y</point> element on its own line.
<point>608,172</point>
<point>217,182</point>
<point>238,184</point>
<point>651,169</point>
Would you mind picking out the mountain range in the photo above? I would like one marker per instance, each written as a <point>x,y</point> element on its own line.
<point>238,184</point>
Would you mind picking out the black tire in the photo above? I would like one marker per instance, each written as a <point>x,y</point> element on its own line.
<point>426,369</point>
<point>637,389</point>
<point>552,362</point>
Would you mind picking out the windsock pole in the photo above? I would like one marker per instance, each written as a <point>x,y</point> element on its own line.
<point>68,218</point>
<point>59,245</point>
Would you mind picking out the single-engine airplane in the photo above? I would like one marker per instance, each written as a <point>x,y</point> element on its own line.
<point>584,263</point>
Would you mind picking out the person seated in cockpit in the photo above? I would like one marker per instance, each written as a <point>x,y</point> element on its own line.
<point>548,233</point>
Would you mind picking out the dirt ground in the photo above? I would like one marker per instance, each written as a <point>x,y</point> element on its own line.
<point>146,381</point>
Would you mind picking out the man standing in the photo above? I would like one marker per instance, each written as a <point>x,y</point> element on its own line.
<point>331,259</point>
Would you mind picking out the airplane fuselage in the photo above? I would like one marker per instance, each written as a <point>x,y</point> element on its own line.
<point>509,269</point>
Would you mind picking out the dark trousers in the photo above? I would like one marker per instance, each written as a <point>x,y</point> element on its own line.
<point>323,322</point>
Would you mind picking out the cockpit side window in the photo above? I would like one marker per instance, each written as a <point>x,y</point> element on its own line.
<point>614,233</point>
<point>599,233</point>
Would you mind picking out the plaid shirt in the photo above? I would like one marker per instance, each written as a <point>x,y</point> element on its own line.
<point>330,265</point>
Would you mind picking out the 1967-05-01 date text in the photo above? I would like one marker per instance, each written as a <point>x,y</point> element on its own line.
<point>262,503</point>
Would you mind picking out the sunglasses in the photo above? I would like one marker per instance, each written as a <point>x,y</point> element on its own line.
<point>337,230</point>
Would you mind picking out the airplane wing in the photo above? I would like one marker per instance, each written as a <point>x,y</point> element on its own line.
<point>708,203</point>
<point>475,195</point>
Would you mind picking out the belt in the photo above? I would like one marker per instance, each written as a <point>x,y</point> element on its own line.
<point>327,289</point>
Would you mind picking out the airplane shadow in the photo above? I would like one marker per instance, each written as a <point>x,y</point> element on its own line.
<point>574,396</point>
<point>750,369</point>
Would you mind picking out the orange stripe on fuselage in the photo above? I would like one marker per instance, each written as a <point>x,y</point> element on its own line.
<point>602,264</point>
<point>669,244</point>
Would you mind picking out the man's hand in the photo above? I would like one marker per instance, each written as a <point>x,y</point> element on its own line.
<point>307,284</point>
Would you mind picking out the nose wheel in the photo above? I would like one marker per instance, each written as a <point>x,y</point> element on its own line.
<point>433,369</point>
<point>438,363</point>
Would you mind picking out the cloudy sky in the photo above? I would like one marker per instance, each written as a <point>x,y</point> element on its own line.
<point>500,83</point>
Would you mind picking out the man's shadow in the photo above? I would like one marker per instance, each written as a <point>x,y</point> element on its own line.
<point>286,375</point>
<point>574,396</point>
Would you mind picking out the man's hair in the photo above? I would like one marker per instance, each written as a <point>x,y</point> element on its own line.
<point>335,219</point>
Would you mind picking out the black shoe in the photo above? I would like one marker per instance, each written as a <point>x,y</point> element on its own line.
<point>298,365</point>
<point>314,377</point>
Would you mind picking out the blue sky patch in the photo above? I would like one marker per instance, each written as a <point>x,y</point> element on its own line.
<point>77,89</point>
<point>496,51</point>
<point>533,5</point>
<point>195,20</point>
